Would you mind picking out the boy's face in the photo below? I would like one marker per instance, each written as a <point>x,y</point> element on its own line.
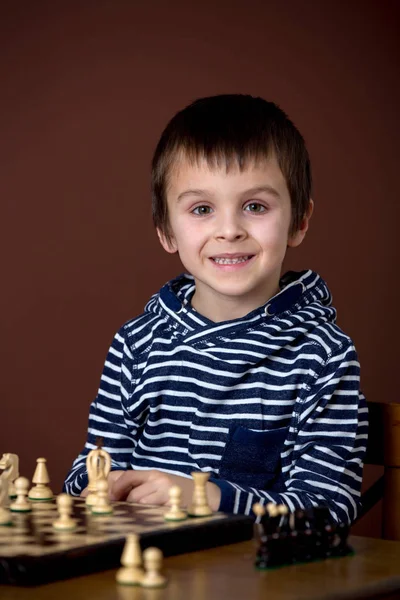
<point>231,231</point>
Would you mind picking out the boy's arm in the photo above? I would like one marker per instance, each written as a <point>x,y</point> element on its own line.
<point>107,418</point>
<point>325,447</point>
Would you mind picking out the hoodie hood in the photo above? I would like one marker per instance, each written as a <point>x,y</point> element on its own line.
<point>298,291</point>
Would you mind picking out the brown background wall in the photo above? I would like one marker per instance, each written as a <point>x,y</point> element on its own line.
<point>86,88</point>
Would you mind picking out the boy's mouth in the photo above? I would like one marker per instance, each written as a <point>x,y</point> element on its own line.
<point>231,259</point>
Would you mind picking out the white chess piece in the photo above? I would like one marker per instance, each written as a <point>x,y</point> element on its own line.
<point>102,506</point>
<point>64,521</point>
<point>98,465</point>
<point>9,463</point>
<point>258,509</point>
<point>199,506</point>
<point>152,558</point>
<point>21,504</point>
<point>175,513</point>
<point>5,517</point>
<point>41,491</point>
<point>131,572</point>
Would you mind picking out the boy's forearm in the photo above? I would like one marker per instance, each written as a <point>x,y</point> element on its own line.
<point>240,499</point>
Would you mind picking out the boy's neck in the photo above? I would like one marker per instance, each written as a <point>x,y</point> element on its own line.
<point>218,308</point>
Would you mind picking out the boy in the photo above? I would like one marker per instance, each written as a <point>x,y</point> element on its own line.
<point>232,369</point>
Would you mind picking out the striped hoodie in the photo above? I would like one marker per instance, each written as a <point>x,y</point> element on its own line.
<point>268,404</point>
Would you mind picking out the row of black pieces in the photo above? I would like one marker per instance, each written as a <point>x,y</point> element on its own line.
<point>305,536</point>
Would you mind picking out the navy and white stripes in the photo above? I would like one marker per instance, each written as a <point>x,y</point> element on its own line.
<point>269,404</point>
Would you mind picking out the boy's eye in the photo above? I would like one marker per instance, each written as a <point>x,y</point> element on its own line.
<point>202,210</point>
<point>255,207</point>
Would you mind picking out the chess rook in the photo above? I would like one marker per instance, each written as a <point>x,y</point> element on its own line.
<point>199,506</point>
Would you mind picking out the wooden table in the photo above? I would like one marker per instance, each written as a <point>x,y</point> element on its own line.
<point>227,573</point>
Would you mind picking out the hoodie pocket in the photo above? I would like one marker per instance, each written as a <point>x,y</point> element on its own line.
<point>254,458</point>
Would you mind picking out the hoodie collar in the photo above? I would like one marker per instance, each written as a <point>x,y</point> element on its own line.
<point>297,289</point>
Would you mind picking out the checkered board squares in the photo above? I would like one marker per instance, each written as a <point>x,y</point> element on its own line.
<point>33,552</point>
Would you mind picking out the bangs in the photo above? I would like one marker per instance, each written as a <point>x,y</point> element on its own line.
<point>228,136</point>
<point>231,132</point>
<point>220,154</point>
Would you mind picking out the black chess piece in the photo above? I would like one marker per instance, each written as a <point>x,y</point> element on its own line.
<point>263,557</point>
<point>321,525</point>
<point>343,548</point>
<point>302,537</point>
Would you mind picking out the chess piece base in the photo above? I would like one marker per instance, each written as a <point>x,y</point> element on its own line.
<point>70,525</point>
<point>27,509</point>
<point>154,582</point>
<point>175,516</point>
<point>100,511</point>
<point>129,576</point>
<point>201,511</point>
<point>38,500</point>
<point>43,494</point>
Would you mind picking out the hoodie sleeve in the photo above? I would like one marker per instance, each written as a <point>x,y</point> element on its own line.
<point>107,418</point>
<point>322,459</point>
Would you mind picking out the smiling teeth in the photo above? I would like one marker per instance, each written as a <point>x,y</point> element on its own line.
<point>231,261</point>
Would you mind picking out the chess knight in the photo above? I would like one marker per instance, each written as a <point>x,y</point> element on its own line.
<point>9,464</point>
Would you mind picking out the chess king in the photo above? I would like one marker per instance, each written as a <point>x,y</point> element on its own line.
<point>234,369</point>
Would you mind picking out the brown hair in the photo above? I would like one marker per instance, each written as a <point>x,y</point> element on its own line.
<point>232,129</point>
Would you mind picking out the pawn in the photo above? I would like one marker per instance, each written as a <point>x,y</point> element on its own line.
<point>102,506</point>
<point>21,504</point>
<point>153,578</point>
<point>131,572</point>
<point>258,510</point>
<point>41,491</point>
<point>64,521</point>
<point>284,524</point>
<point>175,513</point>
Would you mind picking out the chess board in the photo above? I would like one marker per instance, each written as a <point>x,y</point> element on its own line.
<point>32,552</point>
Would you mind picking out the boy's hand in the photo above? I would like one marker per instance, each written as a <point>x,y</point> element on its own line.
<point>152,487</point>
<point>113,476</point>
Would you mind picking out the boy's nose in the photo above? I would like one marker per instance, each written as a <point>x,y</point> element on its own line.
<point>230,229</point>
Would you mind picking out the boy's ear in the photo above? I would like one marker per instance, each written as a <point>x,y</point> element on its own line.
<point>298,236</point>
<point>168,243</point>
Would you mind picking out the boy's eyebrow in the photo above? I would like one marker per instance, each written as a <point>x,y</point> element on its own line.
<point>256,190</point>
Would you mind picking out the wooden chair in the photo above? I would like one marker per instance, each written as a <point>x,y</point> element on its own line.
<point>384,449</point>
